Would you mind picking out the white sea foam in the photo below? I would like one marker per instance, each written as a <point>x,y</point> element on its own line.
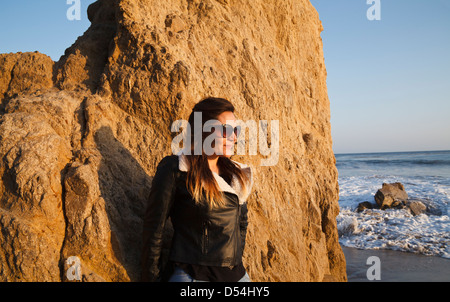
<point>395,229</point>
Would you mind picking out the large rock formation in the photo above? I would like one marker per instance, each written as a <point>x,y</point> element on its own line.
<point>80,138</point>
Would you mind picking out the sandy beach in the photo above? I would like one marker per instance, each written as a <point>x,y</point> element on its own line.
<point>397,266</point>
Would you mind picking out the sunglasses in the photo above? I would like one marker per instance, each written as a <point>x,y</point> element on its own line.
<point>227,130</point>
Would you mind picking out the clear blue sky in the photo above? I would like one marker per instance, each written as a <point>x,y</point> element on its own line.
<point>42,25</point>
<point>388,80</point>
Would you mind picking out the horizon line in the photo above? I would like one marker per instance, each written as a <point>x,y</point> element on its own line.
<point>376,152</point>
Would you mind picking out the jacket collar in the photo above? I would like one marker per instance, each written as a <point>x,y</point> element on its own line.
<point>235,186</point>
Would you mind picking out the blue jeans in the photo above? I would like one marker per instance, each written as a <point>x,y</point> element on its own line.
<point>179,275</point>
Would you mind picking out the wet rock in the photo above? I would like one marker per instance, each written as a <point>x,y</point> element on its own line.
<point>364,205</point>
<point>416,207</point>
<point>391,196</point>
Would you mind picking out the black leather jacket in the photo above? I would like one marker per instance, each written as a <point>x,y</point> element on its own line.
<point>202,236</point>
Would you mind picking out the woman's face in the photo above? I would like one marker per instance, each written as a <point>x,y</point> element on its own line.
<point>226,143</point>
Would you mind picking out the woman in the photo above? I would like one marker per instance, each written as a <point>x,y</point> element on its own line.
<point>204,193</point>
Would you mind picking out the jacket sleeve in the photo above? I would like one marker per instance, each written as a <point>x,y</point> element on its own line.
<point>243,223</point>
<point>159,203</point>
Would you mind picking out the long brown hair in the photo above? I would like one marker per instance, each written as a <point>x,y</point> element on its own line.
<point>200,180</point>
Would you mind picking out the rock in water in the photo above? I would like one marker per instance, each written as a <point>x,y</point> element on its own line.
<point>78,154</point>
<point>391,195</point>
<point>364,205</point>
<point>416,207</point>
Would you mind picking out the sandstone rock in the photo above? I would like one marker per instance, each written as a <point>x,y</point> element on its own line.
<point>78,159</point>
<point>24,73</point>
<point>391,195</point>
<point>34,152</point>
<point>83,63</point>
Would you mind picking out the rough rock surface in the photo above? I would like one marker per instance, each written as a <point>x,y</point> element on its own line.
<point>24,73</point>
<point>391,195</point>
<point>416,207</point>
<point>80,142</point>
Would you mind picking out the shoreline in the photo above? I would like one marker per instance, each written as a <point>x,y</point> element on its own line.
<point>396,266</point>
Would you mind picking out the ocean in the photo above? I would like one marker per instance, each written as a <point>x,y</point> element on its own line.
<point>425,176</point>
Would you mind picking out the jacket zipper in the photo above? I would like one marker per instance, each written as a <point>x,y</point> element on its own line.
<point>205,237</point>
<point>237,237</point>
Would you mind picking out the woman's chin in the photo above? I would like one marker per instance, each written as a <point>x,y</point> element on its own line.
<point>228,152</point>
